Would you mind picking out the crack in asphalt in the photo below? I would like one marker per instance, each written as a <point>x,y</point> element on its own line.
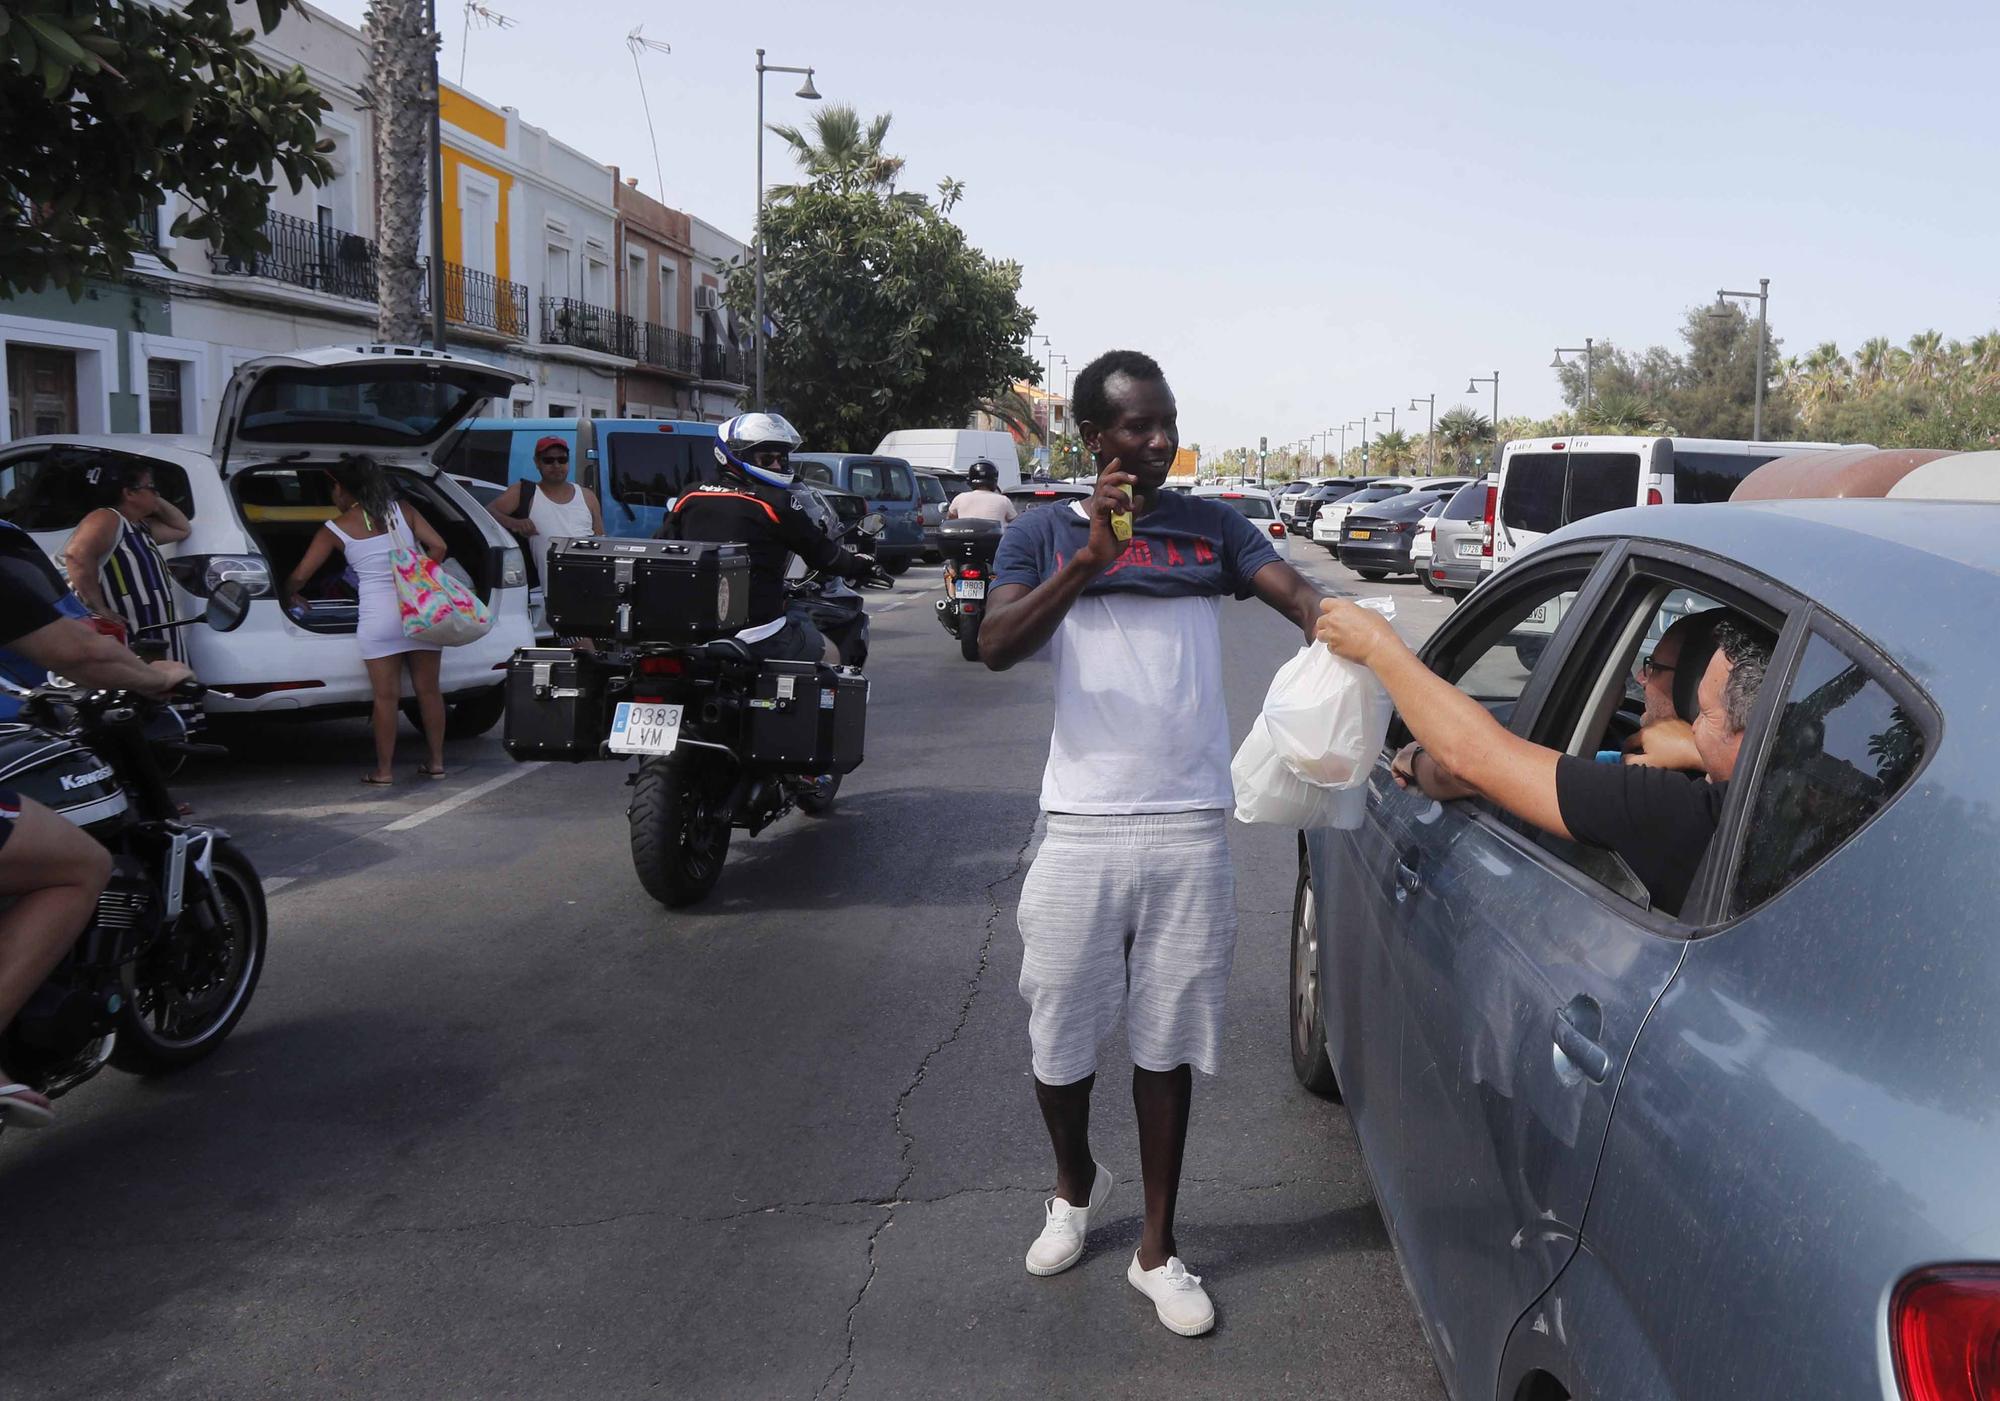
<point>906,1142</point>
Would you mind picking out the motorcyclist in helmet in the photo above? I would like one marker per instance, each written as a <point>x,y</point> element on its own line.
<point>983,501</point>
<point>759,503</point>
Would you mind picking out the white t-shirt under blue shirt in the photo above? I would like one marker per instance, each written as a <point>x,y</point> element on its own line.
<point>1141,723</point>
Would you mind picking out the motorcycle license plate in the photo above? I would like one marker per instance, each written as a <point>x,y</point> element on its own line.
<point>645,727</point>
<point>972,588</point>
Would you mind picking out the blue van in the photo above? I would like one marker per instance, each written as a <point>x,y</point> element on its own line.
<point>888,484</point>
<point>637,466</point>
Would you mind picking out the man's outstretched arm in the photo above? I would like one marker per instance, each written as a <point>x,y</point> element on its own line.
<point>1290,592</point>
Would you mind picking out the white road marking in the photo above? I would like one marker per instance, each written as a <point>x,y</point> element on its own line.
<point>459,800</point>
<point>277,883</point>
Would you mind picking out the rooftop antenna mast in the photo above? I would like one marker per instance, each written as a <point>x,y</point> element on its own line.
<point>487,19</point>
<point>638,43</point>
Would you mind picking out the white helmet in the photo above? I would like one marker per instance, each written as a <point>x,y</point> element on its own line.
<point>758,445</point>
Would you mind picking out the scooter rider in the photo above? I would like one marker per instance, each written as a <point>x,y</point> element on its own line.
<point>759,504</point>
<point>983,501</point>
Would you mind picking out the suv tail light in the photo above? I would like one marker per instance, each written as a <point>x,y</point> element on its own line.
<point>1486,534</point>
<point>199,574</point>
<point>1944,1326</point>
<point>1653,497</point>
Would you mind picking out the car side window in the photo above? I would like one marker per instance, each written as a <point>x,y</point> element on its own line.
<point>1493,663</point>
<point>865,479</point>
<point>52,490</point>
<point>902,485</point>
<point>816,472</point>
<point>1844,746</point>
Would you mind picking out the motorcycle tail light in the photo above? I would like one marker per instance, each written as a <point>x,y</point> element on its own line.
<point>661,666</point>
<point>1944,1325</point>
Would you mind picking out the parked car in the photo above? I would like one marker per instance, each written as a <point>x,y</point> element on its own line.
<point>1256,505</point>
<point>637,466</point>
<point>1422,542</point>
<point>256,497</point>
<point>1329,518</point>
<point>1460,557</point>
<point>954,450</point>
<point>1297,509</point>
<point>1742,1148</point>
<point>1378,539</point>
<point>930,511</point>
<point>888,485</point>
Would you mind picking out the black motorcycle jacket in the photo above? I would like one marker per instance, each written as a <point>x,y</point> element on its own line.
<point>774,525</point>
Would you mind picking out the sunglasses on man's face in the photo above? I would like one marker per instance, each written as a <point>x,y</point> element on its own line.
<point>562,458</point>
<point>768,459</point>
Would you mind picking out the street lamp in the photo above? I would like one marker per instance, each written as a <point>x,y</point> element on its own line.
<point>810,94</point>
<point>1431,432</point>
<point>1763,296</point>
<point>1588,351</point>
<point>1362,424</point>
<point>1472,387</point>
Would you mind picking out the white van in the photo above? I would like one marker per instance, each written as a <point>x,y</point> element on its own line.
<point>953,450</point>
<point>1545,483</point>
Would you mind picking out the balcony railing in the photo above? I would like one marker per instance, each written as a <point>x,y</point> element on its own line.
<point>566,321</point>
<point>480,301</point>
<point>310,255</point>
<point>676,352</point>
<point>723,362</point>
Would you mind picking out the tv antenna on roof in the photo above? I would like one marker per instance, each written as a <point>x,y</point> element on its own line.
<point>638,43</point>
<point>488,19</point>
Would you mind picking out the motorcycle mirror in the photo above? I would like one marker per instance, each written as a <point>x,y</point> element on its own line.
<point>227,606</point>
<point>872,524</point>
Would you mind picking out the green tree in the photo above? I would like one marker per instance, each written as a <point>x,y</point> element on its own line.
<point>886,317</point>
<point>1391,452</point>
<point>107,107</point>
<point>1461,431</point>
<point>1619,412</point>
<point>1017,412</point>
<point>845,154</point>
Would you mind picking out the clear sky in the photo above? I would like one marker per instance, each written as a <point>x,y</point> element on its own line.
<point>1312,211</point>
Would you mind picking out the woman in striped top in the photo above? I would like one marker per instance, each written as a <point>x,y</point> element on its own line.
<point>114,559</point>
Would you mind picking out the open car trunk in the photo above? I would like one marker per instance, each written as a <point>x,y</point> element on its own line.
<point>283,507</point>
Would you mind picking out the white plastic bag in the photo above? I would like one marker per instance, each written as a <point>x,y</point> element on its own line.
<point>1268,791</point>
<point>1327,718</point>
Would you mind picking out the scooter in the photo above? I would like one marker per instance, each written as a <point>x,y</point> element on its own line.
<point>968,547</point>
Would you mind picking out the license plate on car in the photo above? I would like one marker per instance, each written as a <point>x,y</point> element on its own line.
<point>1540,615</point>
<point>1357,535</point>
<point>972,588</point>
<point>1470,548</point>
<point>645,727</point>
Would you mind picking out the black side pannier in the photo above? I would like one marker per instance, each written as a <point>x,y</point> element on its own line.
<point>557,704</point>
<point>647,590</point>
<point>806,717</point>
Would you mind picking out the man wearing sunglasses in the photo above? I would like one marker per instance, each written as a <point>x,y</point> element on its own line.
<point>553,508</point>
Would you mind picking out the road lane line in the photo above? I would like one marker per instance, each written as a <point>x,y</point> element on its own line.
<point>276,884</point>
<point>459,800</point>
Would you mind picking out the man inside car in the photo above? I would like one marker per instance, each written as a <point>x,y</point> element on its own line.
<point>1659,820</point>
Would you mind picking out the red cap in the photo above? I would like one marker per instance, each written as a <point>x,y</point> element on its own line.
<point>549,442</point>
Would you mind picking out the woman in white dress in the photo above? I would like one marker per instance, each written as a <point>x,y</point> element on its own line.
<point>369,528</point>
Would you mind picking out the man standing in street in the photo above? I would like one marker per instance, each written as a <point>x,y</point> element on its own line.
<point>1130,907</point>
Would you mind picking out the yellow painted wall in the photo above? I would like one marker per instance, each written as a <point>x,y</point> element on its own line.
<point>473,117</point>
<point>454,233</point>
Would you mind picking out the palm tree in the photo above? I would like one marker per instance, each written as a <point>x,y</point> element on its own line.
<point>1982,360</point>
<point>1874,362</point>
<point>1927,356</point>
<point>1017,411</point>
<point>1623,413</point>
<point>1822,378</point>
<point>850,157</point>
<point>1460,431</point>
<point>1391,451</point>
<point>400,46</point>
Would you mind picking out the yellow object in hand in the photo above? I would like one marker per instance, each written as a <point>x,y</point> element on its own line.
<point>1121,521</point>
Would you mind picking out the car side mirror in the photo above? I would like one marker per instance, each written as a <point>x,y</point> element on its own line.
<point>227,606</point>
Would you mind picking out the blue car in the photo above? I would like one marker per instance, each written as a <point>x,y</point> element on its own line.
<point>889,486</point>
<point>637,466</point>
<point>1745,1148</point>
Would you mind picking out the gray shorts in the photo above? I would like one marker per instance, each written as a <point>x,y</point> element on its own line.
<point>1134,915</point>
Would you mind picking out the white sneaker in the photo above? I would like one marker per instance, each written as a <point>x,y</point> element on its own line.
<point>1060,1244</point>
<point>1177,1296</point>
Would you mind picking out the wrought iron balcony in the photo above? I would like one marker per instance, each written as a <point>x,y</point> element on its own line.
<point>723,363</point>
<point>676,352</point>
<point>566,321</point>
<point>480,301</point>
<point>304,254</point>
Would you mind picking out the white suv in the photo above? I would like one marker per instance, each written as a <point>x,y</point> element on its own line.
<point>256,497</point>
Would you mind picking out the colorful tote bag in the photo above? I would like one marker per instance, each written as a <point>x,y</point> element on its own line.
<point>435,606</point>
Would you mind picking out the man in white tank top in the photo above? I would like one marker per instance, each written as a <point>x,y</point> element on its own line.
<point>555,507</point>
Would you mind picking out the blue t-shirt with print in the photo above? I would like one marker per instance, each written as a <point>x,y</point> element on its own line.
<point>1186,546</point>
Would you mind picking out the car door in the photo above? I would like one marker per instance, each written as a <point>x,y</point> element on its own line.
<point>1524,980</point>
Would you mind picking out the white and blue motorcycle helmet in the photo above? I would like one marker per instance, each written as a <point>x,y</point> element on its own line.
<point>740,441</point>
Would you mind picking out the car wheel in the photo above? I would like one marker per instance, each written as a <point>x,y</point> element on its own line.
<point>899,565</point>
<point>1310,1063</point>
<point>1372,575</point>
<point>1429,583</point>
<point>464,719</point>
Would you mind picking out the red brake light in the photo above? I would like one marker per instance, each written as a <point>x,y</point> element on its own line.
<point>661,666</point>
<point>1555,447</point>
<point>1492,501</point>
<point>1277,531</point>
<point>665,428</point>
<point>1653,497</point>
<point>1232,496</point>
<point>1944,1327</point>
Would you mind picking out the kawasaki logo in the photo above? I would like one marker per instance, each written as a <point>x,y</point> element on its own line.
<point>73,781</point>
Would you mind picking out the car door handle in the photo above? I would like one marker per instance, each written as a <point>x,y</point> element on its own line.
<point>1577,1027</point>
<point>1408,874</point>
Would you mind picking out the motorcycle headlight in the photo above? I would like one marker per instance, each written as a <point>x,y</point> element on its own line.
<point>199,574</point>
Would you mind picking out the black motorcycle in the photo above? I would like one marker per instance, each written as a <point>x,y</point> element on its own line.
<point>166,968</point>
<point>968,547</point>
<point>721,739</point>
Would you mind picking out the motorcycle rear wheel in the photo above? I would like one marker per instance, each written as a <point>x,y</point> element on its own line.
<point>679,839</point>
<point>968,636</point>
<point>169,1023</point>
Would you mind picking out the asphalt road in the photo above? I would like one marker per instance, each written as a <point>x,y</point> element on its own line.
<point>498,1125</point>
